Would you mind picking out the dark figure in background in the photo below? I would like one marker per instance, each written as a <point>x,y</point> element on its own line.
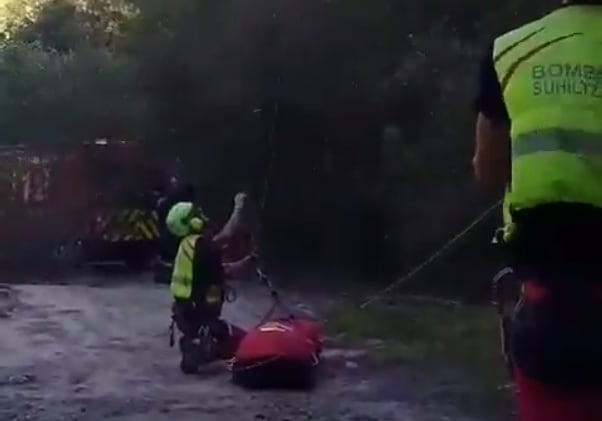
<point>539,137</point>
<point>177,191</point>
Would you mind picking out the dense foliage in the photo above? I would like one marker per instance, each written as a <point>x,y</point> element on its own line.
<point>367,102</point>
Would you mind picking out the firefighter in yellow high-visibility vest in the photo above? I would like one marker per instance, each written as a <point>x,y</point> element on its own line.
<point>539,133</point>
<point>197,282</point>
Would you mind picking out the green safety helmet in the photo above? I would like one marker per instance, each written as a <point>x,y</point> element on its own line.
<point>181,219</point>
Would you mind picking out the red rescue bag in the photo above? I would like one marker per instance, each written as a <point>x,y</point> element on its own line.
<point>281,353</point>
<point>227,348</point>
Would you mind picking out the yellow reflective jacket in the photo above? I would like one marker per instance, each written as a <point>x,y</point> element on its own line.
<point>183,273</point>
<point>550,72</point>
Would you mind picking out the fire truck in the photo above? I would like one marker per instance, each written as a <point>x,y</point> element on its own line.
<point>91,204</point>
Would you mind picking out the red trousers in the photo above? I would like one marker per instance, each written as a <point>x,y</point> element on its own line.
<point>536,402</point>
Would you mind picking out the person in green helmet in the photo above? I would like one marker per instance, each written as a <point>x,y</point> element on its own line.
<point>175,191</point>
<point>539,132</point>
<point>198,280</point>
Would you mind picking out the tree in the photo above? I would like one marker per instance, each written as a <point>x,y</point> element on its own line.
<point>199,78</point>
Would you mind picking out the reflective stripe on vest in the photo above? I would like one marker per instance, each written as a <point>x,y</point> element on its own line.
<point>183,273</point>
<point>550,71</point>
<point>558,140</point>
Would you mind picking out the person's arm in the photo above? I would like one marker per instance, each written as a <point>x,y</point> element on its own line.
<point>234,222</point>
<point>491,161</point>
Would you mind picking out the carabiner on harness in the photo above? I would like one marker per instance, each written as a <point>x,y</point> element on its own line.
<point>507,298</point>
<point>230,294</point>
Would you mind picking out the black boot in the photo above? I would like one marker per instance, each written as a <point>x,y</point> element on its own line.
<point>189,363</point>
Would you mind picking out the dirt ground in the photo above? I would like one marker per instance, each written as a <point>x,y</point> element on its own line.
<point>82,352</point>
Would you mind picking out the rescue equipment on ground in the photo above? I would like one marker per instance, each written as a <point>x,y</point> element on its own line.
<point>280,352</point>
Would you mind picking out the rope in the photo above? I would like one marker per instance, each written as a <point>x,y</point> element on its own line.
<point>432,258</point>
<point>272,141</point>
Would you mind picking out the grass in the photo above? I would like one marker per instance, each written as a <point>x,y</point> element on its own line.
<point>432,337</point>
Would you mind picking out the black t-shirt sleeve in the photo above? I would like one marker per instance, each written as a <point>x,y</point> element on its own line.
<point>207,264</point>
<point>489,99</point>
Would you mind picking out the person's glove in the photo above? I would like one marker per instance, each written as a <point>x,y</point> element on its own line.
<point>239,201</point>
